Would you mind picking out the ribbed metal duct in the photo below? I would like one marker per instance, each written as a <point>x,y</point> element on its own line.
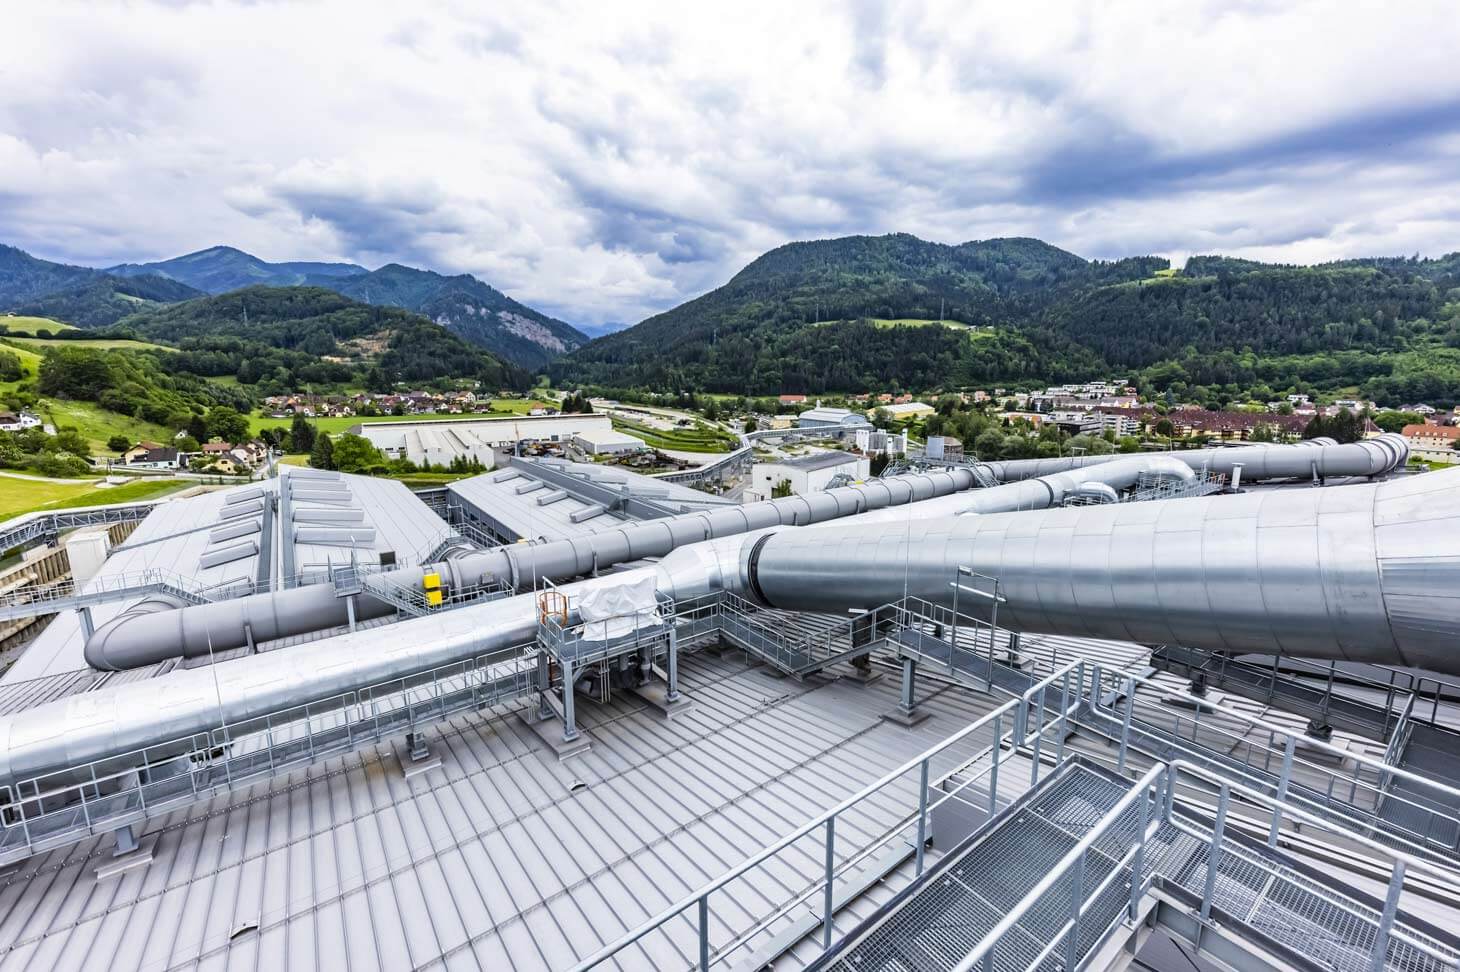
<point>132,640</point>
<point>1317,457</point>
<point>1367,572</point>
<point>135,638</point>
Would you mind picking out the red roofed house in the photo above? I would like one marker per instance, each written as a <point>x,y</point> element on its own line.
<point>1433,442</point>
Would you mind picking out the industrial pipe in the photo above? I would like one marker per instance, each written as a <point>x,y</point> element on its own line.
<point>1364,572</point>
<point>1319,458</point>
<point>144,635</point>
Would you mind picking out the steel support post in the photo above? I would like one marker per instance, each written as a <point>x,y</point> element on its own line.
<point>909,678</point>
<point>1282,791</point>
<point>87,627</point>
<point>826,904</point>
<point>672,694</point>
<point>1379,957</point>
<point>570,728</point>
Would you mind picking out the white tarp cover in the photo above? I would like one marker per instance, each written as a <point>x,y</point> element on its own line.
<point>612,612</point>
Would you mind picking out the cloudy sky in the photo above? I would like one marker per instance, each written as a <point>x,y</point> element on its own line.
<point>604,161</point>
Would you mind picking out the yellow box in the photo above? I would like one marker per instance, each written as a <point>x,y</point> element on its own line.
<point>431,582</point>
<point>433,598</point>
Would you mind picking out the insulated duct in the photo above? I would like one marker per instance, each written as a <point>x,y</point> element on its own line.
<point>135,638</point>
<point>1365,572</point>
<point>143,637</point>
<point>1315,458</point>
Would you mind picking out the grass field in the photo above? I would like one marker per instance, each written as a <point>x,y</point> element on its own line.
<point>501,408</point>
<point>919,322</point>
<point>97,424</point>
<point>29,360</point>
<point>19,496</point>
<point>34,325</point>
<point>40,344</point>
<point>700,438</point>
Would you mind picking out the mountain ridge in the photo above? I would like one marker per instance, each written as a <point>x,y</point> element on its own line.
<point>465,305</point>
<point>824,316</point>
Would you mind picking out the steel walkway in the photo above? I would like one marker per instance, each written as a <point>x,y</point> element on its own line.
<point>68,595</point>
<point>989,905</point>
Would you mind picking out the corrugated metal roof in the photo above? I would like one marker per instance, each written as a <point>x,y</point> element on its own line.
<point>173,538</point>
<point>504,858</point>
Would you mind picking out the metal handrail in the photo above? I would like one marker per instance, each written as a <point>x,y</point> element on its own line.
<point>1383,772</point>
<point>114,781</point>
<point>1403,862</point>
<point>824,821</point>
<point>1081,900</point>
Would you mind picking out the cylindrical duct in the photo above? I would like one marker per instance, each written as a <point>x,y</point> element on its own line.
<point>1363,573</point>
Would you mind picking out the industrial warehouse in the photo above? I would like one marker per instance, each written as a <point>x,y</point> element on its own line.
<point>1068,713</point>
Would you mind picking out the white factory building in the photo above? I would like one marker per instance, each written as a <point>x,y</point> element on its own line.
<point>607,442</point>
<point>807,474</point>
<point>438,441</point>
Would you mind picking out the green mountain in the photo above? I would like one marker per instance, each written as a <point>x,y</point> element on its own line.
<point>465,306</point>
<point>813,317</point>
<point>319,336</point>
<point>78,295</point>
<point>219,269</point>
<point>24,277</point>
<point>1225,327</point>
<point>104,300</point>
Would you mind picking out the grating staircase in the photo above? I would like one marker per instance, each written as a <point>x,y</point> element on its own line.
<point>796,644</point>
<point>1276,911</point>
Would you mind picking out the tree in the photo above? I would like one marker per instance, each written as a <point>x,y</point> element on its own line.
<point>198,428</point>
<point>187,444</point>
<point>1165,428</point>
<point>225,423</point>
<point>301,435</point>
<point>376,380</point>
<point>10,366</point>
<point>751,424</point>
<point>353,454</point>
<point>79,373</point>
<point>1392,421</point>
<point>322,455</point>
<point>119,443</point>
<point>781,489</point>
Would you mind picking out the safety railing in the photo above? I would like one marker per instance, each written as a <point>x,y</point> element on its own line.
<point>1304,914</point>
<point>1151,838</point>
<point>842,840</point>
<point>580,642</point>
<point>1363,793</point>
<point>791,649</point>
<point>1114,849</point>
<point>62,807</point>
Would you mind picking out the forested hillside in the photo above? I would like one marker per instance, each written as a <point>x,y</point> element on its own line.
<point>381,344</point>
<point>467,307</point>
<point>1221,327</point>
<point>220,269</point>
<point>771,315</point>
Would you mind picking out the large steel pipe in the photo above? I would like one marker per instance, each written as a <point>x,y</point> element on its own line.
<point>1367,572</point>
<point>143,635</point>
<point>1321,458</point>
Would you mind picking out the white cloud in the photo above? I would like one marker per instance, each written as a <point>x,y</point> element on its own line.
<point>607,161</point>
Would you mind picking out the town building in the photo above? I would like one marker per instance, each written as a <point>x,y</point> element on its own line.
<point>804,475</point>
<point>607,442</point>
<point>1435,443</point>
<point>908,411</point>
<point>822,417</point>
